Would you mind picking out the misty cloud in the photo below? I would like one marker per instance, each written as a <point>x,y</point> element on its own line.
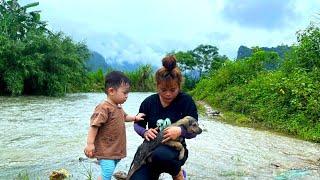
<point>267,14</point>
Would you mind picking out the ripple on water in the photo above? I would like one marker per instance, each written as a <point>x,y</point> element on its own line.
<point>21,138</point>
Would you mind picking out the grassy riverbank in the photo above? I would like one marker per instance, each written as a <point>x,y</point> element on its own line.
<point>237,119</point>
<point>265,91</point>
<point>275,111</point>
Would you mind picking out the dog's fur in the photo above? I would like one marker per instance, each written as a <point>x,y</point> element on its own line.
<point>146,148</point>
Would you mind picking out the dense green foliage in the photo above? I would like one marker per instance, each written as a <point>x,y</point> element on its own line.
<point>142,79</point>
<point>95,81</point>
<point>284,97</point>
<point>32,59</point>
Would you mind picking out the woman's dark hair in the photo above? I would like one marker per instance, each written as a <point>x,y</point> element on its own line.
<point>169,71</point>
<point>114,79</point>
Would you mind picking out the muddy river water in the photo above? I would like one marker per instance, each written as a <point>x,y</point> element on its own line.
<point>40,134</point>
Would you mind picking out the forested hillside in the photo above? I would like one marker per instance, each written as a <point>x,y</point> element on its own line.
<point>244,51</point>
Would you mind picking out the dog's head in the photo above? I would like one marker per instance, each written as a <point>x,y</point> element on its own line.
<point>190,124</point>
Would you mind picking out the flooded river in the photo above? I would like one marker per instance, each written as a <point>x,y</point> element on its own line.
<point>40,134</point>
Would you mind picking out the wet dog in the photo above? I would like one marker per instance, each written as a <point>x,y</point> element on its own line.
<point>144,151</point>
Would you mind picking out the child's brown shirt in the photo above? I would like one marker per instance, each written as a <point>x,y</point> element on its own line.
<point>110,141</point>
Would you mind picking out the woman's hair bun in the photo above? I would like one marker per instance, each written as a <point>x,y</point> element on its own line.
<point>169,62</point>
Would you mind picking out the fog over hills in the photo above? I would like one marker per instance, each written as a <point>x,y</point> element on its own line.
<point>97,61</point>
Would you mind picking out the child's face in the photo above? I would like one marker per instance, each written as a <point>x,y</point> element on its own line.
<point>120,95</point>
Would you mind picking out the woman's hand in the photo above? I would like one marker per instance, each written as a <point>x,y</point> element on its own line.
<point>150,134</point>
<point>171,133</point>
<point>89,150</point>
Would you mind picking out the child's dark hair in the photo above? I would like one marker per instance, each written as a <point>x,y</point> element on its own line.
<point>114,79</point>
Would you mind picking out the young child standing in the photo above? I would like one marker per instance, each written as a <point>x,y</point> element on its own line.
<point>106,139</point>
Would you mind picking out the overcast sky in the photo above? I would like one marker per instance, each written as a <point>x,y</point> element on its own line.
<point>145,30</point>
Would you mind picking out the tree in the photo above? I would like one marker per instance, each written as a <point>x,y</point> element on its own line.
<point>34,60</point>
<point>308,50</point>
<point>16,22</point>
<point>204,56</point>
<point>187,64</point>
<point>217,62</point>
<point>185,61</point>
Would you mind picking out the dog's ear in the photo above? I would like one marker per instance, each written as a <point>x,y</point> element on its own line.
<point>192,125</point>
<point>191,120</point>
<point>186,122</point>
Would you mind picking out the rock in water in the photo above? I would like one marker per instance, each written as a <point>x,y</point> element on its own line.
<point>59,174</point>
<point>120,175</point>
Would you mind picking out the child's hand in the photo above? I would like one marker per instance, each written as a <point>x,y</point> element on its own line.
<point>139,117</point>
<point>89,150</point>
